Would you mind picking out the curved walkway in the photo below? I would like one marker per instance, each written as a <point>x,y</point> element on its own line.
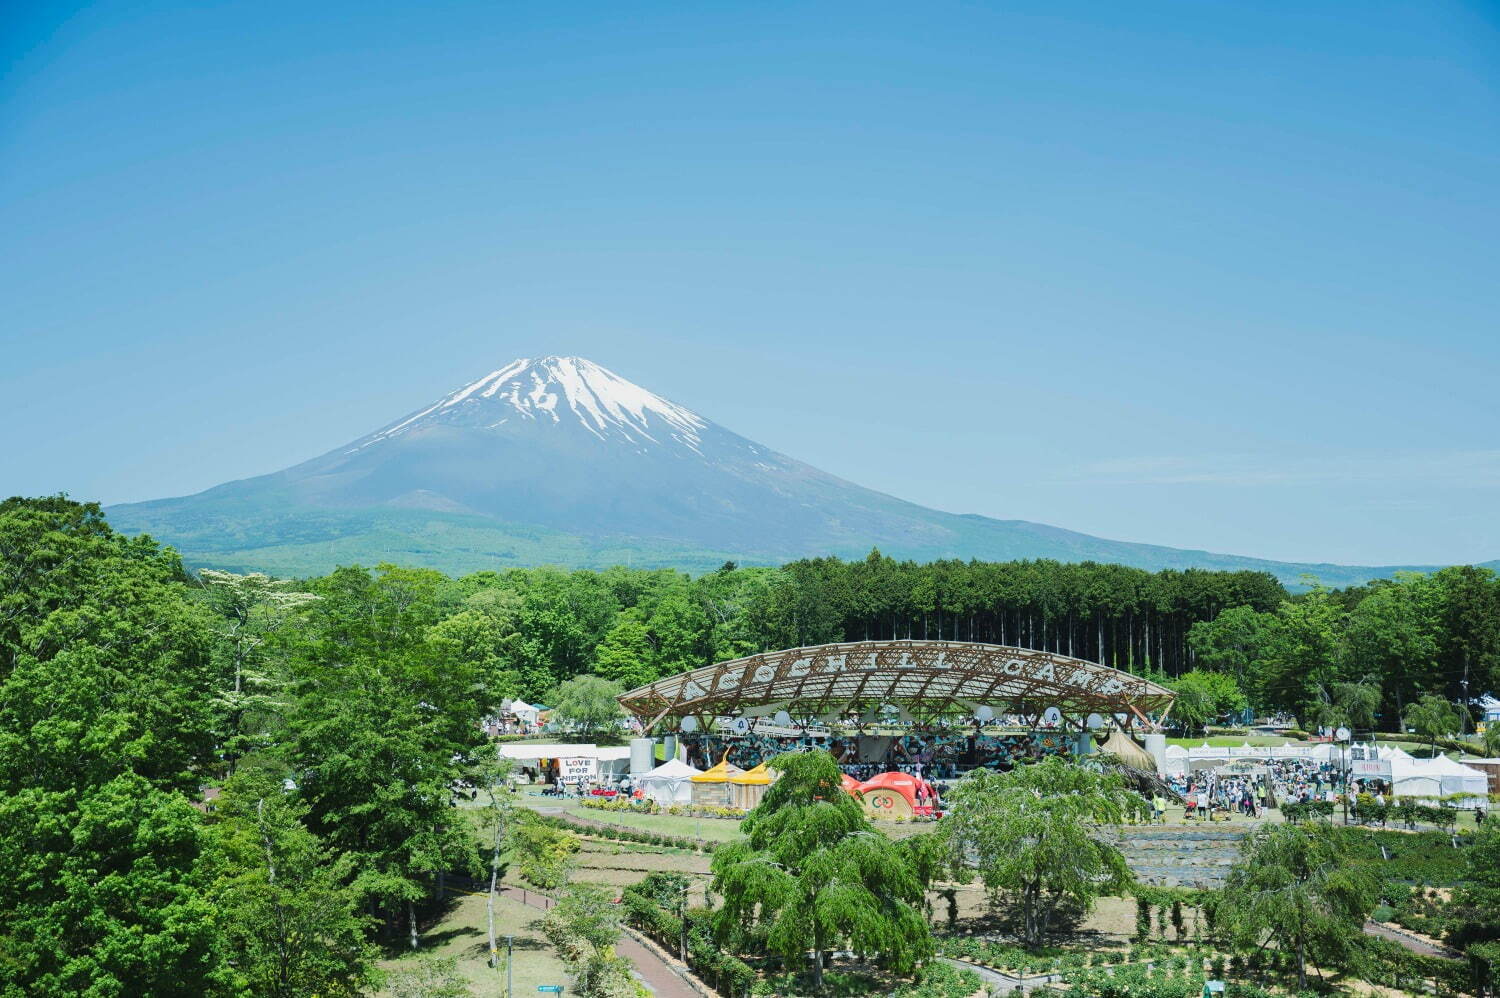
<point>1005,983</point>
<point>1408,940</point>
<point>660,977</point>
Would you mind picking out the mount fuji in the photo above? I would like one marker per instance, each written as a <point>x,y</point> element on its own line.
<point>561,461</point>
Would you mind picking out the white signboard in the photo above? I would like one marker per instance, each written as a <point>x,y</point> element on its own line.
<point>576,770</point>
<point>1379,769</point>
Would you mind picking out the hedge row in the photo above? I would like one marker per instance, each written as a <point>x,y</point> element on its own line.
<point>1367,809</point>
<point>618,834</point>
<point>727,973</point>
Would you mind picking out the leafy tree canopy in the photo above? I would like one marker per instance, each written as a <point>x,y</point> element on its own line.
<point>1294,885</point>
<point>810,873</point>
<point>1032,835</point>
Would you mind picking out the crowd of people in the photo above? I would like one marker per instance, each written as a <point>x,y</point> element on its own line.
<point>1208,795</point>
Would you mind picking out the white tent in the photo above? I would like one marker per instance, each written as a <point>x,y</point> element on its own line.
<point>591,761</point>
<point>669,783</point>
<point>1455,777</point>
<point>1409,779</point>
<point>522,710</point>
<point>1438,777</point>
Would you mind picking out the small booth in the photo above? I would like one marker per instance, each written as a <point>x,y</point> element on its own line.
<point>570,765</point>
<point>896,795</point>
<point>670,783</point>
<point>526,716</point>
<point>710,788</point>
<point>748,788</point>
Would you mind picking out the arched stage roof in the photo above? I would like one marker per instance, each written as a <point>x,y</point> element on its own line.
<point>823,681</point>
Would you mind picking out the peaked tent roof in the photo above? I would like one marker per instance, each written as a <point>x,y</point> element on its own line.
<point>672,769</point>
<point>1444,766</point>
<point>1124,748</point>
<point>759,776</point>
<point>723,772</point>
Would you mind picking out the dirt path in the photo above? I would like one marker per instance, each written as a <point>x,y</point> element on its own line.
<point>659,976</point>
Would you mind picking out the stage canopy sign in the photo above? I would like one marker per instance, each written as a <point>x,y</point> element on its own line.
<point>826,682</point>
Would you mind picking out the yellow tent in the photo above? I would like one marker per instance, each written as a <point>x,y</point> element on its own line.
<point>711,787</point>
<point>746,789</point>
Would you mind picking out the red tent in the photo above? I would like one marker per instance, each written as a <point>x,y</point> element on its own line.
<point>901,783</point>
<point>851,785</point>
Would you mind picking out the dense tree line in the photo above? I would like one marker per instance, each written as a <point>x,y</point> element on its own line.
<point>1371,657</point>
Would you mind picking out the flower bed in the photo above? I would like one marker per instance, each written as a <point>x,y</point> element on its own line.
<point>618,834</point>
<point>648,806</point>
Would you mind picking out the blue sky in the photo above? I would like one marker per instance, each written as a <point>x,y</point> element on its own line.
<point>1207,275</point>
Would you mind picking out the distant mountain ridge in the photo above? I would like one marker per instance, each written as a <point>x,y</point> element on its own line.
<point>560,461</point>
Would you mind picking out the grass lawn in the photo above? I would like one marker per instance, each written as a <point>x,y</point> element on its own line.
<point>460,934</point>
<point>710,829</point>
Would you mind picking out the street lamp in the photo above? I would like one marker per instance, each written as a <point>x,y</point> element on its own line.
<point>1342,737</point>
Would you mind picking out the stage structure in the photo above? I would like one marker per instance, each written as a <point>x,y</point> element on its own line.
<point>919,680</point>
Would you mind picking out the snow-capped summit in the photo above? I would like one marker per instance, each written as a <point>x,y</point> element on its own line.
<point>554,389</point>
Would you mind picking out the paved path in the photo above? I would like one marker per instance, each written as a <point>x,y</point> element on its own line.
<point>1408,941</point>
<point>659,977</point>
<point>1004,983</point>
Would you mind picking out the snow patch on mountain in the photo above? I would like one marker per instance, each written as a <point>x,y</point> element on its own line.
<point>602,402</point>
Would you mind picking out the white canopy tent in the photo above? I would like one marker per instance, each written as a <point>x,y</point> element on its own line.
<point>1178,760</point>
<point>1439,777</point>
<point>669,783</point>
<point>1456,778</point>
<point>606,760</point>
<point>522,711</point>
<point>1409,780</point>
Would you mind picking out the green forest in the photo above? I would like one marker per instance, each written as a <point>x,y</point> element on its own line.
<point>128,686</point>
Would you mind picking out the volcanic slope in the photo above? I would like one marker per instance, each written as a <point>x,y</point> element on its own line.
<point>560,461</point>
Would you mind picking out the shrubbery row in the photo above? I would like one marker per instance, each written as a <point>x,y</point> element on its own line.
<point>618,834</point>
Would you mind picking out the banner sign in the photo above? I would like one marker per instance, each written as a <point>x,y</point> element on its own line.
<point>1380,769</point>
<point>576,770</point>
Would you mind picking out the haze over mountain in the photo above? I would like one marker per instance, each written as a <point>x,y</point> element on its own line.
<point>561,461</point>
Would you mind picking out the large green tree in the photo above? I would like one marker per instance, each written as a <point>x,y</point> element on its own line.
<point>251,610</point>
<point>106,690</point>
<point>281,900</point>
<point>627,655</point>
<point>1477,927</point>
<point>385,726</point>
<point>811,874</point>
<point>1304,657</point>
<point>587,704</point>
<point>1034,836</point>
<point>1297,887</point>
<point>1234,642</point>
<point>1392,636</point>
<point>104,894</point>
<point>1433,717</point>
